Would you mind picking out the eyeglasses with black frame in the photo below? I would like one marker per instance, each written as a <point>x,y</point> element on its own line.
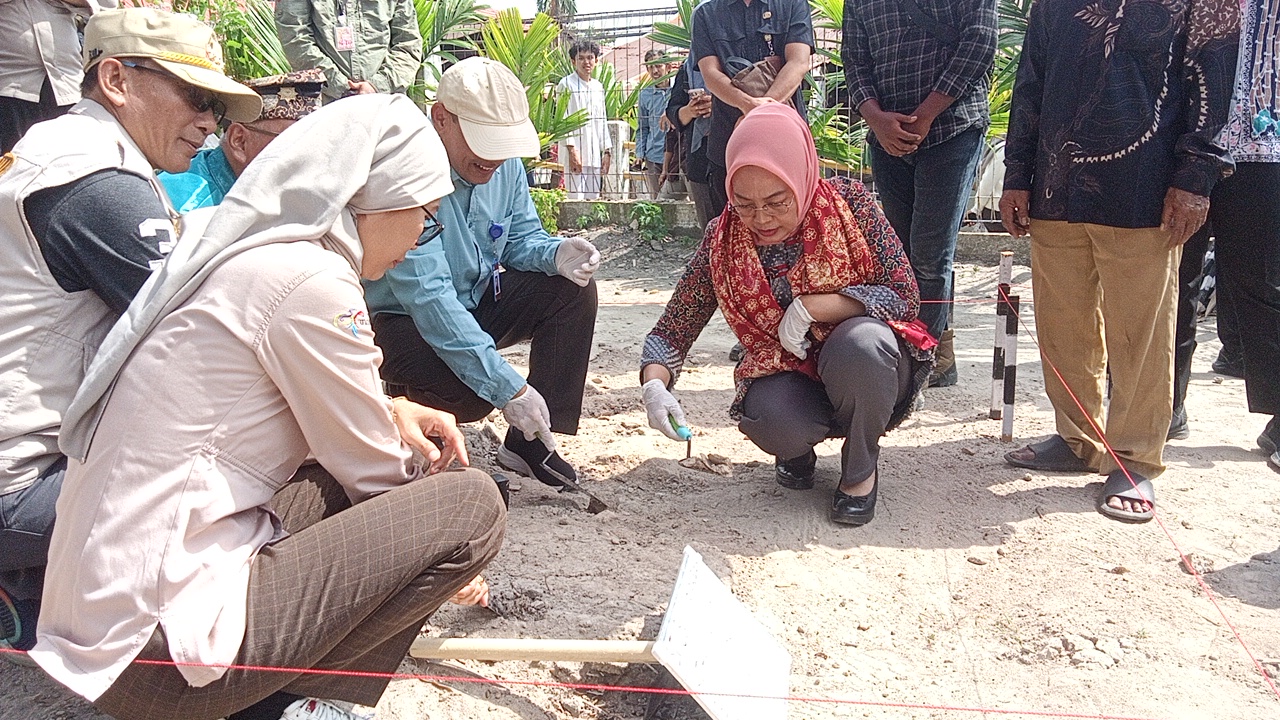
<point>431,229</point>
<point>773,209</point>
<point>201,101</point>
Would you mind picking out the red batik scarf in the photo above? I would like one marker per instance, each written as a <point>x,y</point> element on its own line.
<point>836,255</point>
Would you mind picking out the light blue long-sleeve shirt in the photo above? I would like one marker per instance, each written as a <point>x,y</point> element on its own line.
<point>651,140</point>
<point>439,283</point>
<point>204,184</point>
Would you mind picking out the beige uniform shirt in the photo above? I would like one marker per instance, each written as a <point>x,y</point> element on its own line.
<point>271,359</point>
<point>38,40</point>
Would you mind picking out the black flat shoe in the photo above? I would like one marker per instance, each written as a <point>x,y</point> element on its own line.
<point>854,509</point>
<point>796,473</point>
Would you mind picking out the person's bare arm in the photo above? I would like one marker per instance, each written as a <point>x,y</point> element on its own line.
<point>722,87</point>
<point>792,73</point>
<point>927,112</point>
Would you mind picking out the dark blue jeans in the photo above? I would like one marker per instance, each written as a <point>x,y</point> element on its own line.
<point>26,525</point>
<point>924,195</point>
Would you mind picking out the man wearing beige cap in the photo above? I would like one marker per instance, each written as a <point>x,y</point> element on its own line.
<point>286,99</point>
<point>494,279</point>
<point>83,222</point>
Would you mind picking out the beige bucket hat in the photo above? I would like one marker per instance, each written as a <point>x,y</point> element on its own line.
<point>177,42</point>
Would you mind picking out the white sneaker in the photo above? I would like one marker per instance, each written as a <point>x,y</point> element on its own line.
<point>313,709</point>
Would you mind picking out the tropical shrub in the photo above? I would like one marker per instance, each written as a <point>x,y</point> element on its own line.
<point>437,20</point>
<point>650,220</point>
<point>535,58</point>
<point>547,203</point>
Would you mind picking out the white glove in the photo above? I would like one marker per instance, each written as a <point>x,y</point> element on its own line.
<point>662,408</point>
<point>528,413</point>
<point>577,260</point>
<point>793,328</point>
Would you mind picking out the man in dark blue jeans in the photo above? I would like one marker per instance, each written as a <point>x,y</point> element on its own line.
<point>918,74</point>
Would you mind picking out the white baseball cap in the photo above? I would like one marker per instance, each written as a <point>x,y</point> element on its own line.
<point>492,109</point>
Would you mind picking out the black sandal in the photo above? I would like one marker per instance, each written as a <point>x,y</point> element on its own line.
<point>1119,485</point>
<point>1050,455</point>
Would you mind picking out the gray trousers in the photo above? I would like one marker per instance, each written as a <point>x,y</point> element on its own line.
<point>349,589</point>
<point>864,374</point>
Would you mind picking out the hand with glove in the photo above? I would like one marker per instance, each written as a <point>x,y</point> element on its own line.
<point>793,328</point>
<point>662,409</point>
<point>528,413</point>
<point>577,260</point>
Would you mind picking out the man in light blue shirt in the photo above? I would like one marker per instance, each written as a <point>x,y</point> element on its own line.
<point>286,99</point>
<point>494,278</point>
<point>651,135</point>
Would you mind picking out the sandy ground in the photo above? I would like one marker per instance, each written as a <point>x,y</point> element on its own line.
<point>978,585</point>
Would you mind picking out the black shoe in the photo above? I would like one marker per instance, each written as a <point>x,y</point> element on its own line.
<point>1229,366</point>
<point>854,509</point>
<point>1179,428</point>
<point>1269,440</point>
<point>946,378</point>
<point>796,473</point>
<point>528,456</point>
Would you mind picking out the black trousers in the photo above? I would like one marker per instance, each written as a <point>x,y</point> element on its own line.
<point>556,315</point>
<point>17,116</point>
<point>1245,211</point>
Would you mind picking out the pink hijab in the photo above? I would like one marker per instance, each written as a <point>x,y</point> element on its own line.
<point>776,138</point>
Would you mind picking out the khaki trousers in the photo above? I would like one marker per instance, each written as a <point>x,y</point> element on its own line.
<point>1105,297</point>
<point>347,590</point>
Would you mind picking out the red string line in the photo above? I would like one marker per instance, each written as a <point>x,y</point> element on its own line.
<point>972,300</point>
<point>1186,563</point>
<point>623,688</point>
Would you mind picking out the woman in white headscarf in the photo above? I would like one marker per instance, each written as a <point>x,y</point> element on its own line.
<point>249,351</point>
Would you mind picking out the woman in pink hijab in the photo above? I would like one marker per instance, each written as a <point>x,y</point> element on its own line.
<point>815,284</point>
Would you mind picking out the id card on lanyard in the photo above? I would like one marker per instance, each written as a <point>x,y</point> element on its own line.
<point>344,37</point>
<point>495,232</point>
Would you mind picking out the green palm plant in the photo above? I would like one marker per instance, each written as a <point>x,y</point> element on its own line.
<point>1013,16</point>
<point>247,31</point>
<point>676,35</point>
<point>437,19</point>
<point>535,58</point>
<point>254,51</point>
<point>619,103</point>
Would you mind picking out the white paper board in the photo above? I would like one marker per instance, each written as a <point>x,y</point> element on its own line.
<point>711,643</point>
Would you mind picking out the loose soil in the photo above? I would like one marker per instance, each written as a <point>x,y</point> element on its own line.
<point>978,585</point>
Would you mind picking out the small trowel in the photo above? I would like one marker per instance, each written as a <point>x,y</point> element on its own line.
<point>595,505</point>
<point>685,433</point>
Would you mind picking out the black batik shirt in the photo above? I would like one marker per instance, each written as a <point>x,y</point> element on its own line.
<point>1118,100</point>
<point>891,59</point>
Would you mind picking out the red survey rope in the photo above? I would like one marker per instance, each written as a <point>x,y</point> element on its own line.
<point>626,688</point>
<point>1186,563</point>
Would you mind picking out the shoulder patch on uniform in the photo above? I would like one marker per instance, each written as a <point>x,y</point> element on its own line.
<point>353,321</point>
<point>6,162</point>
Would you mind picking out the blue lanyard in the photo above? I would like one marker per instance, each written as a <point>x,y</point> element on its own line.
<point>495,232</point>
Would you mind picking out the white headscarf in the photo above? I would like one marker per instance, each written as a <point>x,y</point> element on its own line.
<point>365,154</point>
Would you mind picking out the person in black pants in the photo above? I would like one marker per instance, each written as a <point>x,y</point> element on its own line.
<point>689,110</point>
<point>1245,211</point>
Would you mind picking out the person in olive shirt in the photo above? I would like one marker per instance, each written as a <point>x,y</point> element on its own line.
<point>363,46</point>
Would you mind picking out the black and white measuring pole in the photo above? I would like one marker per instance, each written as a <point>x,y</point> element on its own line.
<point>1004,367</point>
<point>998,354</point>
